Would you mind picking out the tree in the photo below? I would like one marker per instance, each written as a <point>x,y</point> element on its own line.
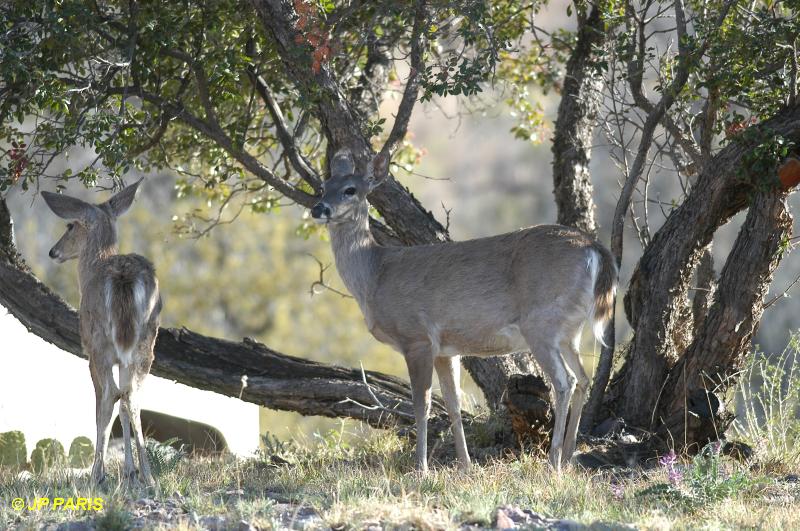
<point>245,101</point>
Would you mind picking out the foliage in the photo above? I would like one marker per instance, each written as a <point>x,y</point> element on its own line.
<point>769,391</point>
<point>81,452</point>
<point>13,451</point>
<point>164,456</point>
<point>114,519</point>
<point>767,151</point>
<point>48,454</point>
<point>705,481</point>
<point>173,85</point>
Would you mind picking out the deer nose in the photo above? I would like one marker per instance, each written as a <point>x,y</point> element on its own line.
<point>319,210</point>
<point>53,253</point>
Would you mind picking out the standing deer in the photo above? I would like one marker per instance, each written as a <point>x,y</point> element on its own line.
<point>119,316</point>
<point>530,289</point>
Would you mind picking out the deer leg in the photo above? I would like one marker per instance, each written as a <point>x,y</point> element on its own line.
<point>129,470</point>
<point>136,420</point>
<point>449,369</point>
<point>125,386</point>
<point>105,391</point>
<point>563,381</point>
<point>420,372</point>
<point>571,356</point>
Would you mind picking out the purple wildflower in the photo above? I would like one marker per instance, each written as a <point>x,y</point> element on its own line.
<point>668,460</point>
<point>618,491</point>
<point>716,446</point>
<point>675,476</point>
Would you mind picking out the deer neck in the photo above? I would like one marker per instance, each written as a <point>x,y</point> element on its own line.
<point>100,246</point>
<point>357,255</point>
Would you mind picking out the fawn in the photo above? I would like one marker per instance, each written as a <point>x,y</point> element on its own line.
<point>119,316</point>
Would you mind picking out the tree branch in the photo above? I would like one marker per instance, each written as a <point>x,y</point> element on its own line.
<point>404,110</point>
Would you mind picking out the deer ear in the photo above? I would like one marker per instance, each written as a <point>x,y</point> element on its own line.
<point>67,207</point>
<point>122,201</point>
<point>377,170</point>
<point>342,164</point>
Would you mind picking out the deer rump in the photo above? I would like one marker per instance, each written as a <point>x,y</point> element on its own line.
<point>131,295</point>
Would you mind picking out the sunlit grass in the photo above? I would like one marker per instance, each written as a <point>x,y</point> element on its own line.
<point>373,482</point>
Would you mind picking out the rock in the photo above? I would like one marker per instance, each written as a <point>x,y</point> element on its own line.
<point>80,525</point>
<point>737,450</point>
<point>610,526</point>
<point>244,525</point>
<point>611,427</point>
<point>145,502</point>
<point>508,517</point>
<point>213,523</point>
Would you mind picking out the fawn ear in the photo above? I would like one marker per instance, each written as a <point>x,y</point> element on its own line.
<point>342,164</point>
<point>377,170</point>
<point>122,201</point>
<point>67,207</point>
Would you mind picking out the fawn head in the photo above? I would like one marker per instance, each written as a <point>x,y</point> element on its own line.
<point>344,195</point>
<point>87,220</point>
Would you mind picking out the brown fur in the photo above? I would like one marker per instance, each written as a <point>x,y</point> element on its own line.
<point>119,317</point>
<point>530,289</point>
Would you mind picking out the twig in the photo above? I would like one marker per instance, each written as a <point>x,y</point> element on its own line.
<point>321,282</point>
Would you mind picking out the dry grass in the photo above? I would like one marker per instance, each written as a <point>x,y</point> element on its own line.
<point>371,482</point>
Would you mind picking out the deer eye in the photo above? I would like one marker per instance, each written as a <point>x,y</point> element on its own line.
<point>70,226</point>
<point>350,190</point>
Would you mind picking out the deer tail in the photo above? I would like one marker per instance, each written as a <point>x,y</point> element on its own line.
<point>604,273</point>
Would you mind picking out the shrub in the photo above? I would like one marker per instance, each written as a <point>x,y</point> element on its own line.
<point>164,457</point>
<point>47,454</point>
<point>770,393</point>
<point>81,452</point>
<point>13,451</point>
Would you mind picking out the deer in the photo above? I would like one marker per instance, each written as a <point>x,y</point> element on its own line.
<point>533,289</point>
<point>119,314</point>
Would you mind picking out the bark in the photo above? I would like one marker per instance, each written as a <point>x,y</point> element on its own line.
<point>658,288</point>
<point>574,128</point>
<point>694,412</point>
<point>273,380</point>
<point>705,284</point>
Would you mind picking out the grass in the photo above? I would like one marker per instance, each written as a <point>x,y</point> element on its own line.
<point>770,395</point>
<point>351,479</point>
<point>354,485</point>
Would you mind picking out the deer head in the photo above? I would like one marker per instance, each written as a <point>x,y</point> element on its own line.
<point>344,196</point>
<point>86,220</point>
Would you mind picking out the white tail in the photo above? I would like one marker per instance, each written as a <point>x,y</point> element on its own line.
<point>534,288</point>
<point>119,316</point>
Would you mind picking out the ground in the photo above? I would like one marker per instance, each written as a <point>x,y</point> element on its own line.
<point>370,484</point>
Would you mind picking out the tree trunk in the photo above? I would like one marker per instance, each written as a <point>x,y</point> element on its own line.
<point>657,295</point>
<point>693,411</point>
<point>574,128</point>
